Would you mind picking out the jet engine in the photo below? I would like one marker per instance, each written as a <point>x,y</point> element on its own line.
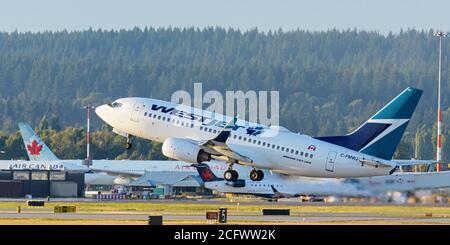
<point>184,150</point>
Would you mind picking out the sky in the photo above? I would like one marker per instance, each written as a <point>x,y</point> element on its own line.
<point>376,15</point>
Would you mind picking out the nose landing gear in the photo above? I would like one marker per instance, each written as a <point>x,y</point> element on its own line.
<point>129,144</point>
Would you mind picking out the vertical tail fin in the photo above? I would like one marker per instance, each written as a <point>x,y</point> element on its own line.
<point>36,148</point>
<point>205,172</point>
<point>379,136</point>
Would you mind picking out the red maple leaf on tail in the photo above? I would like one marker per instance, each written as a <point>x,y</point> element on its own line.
<point>207,175</point>
<point>34,148</point>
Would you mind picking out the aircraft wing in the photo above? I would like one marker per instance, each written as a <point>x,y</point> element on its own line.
<point>374,163</point>
<point>218,146</point>
<point>127,174</point>
<point>278,194</point>
<point>401,162</point>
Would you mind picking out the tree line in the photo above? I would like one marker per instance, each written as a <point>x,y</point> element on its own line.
<point>329,82</point>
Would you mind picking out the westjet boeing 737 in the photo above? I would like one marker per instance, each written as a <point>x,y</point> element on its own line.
<point>193,135</point>
<point>274,186</point>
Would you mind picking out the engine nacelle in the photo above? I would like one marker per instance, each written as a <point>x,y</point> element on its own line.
<point>184,150</point>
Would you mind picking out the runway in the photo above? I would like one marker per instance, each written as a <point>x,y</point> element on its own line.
<point>193,211</point>
<point>247,217</point>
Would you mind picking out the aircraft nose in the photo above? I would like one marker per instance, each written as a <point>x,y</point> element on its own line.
<point>102,111</point>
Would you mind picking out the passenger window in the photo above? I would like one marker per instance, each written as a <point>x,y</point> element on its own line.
<point>154,115</point>
<point>292,151</point>
<point>287,150</point>
<point>301,153</point>
<point>296,152</point>
<point>159,117</point>
<point>259,142</point>
<point>240,137</point>
<point>282,148</point>
<point>306,154</point>
<point>278,147</point>
<point>264,144</point>
<point>214,131</point>
<point>145,113</point>
<point>311,155</point>
<point>245,139</point>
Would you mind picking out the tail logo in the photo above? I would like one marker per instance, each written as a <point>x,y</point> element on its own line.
<point>34,148</point>
<point>206,175</point>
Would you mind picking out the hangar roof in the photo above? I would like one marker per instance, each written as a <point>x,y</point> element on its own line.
<point>178,179</point>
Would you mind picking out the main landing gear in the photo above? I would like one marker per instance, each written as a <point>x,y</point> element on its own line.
<point>129,144</point>
<point>232,175</point>
<point>256,175</point>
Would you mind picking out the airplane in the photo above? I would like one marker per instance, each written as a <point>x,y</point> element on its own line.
<point>41,165</point>
<point>193,135</point>
<point>277,186</point>
<point>124,170</point>
<point>274,186</point>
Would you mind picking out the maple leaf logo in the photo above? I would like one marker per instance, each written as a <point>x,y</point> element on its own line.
<point>34,148</point>
<point>207,175</point>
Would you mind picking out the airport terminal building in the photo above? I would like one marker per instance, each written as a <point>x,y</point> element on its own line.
<point>44,180</point>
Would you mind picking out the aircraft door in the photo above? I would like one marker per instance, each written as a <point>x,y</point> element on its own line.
<point>329,165</point>
<point>136,111</point>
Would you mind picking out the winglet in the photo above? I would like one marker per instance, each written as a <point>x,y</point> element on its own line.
<point>226,131</point>
<point>274,189</point>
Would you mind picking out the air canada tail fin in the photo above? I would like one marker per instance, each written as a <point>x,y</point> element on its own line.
<point>205,172</point>
<point>36,148</point>
<point>379,136</point>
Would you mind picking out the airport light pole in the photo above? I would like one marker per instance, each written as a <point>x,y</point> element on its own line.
<point>88,160</point>
<point>440,35</point>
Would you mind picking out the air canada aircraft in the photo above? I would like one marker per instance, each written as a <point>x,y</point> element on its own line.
<point>276,186</point>
<point>42,157</point>
<point>194,135</point>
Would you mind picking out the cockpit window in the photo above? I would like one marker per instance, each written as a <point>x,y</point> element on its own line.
<point>115,104</point>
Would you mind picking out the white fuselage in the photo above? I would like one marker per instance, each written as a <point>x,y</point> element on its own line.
<point>291,186</point>
<point>281,185</point>
<point>273,148</point>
